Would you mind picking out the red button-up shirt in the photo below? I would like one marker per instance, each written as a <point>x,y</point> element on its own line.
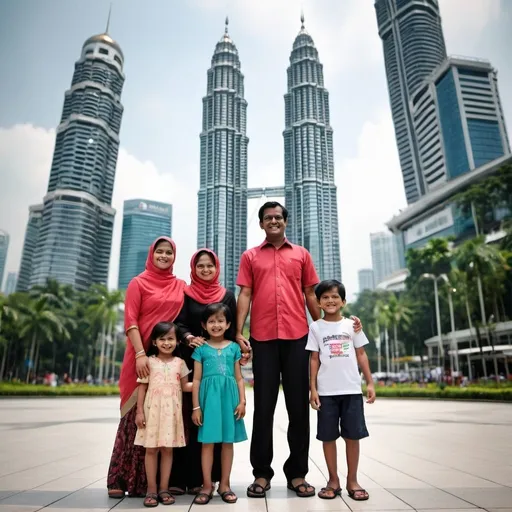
<point>277,278</point>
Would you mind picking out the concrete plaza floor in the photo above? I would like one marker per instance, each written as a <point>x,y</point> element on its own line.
<point>421,455</point>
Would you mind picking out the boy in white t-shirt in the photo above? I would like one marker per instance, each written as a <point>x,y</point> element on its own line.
<point>336,353</point>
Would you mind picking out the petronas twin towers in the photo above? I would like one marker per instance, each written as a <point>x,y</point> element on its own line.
<point>309,189</point>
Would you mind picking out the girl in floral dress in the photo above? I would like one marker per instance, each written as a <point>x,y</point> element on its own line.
<point>159,416</point>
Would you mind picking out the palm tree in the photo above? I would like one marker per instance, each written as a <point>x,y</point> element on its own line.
<point>39,323</point>
<point>383,317</point>
<point>399,314</point>
<point>8,312</point>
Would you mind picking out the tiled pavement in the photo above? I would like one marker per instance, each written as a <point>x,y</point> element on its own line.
<point>421,455</point>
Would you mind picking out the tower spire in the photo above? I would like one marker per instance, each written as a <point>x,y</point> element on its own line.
<point>226,27</point>
<point>302,19</point>
<point>108,19</point>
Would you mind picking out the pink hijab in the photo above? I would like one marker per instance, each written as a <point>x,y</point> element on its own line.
<point>205,292</point>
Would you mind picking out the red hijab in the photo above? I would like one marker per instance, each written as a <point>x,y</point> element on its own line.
<point>205,292</point>
<point>153,296</point>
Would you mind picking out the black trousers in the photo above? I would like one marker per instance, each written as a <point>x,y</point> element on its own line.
<point>273,360</point>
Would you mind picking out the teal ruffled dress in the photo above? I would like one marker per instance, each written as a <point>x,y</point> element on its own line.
<point>218,395</point>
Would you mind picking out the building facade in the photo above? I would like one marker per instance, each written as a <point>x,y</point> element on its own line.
<point>10,283</point>
<point>143,222</point>
<point>366,279</point>
<point>310,190</point>
<point>35,218</point>
<point>75,233</point>
<point>414,46</point>
<point>222,196</point>
<point>385,255</point>
<point>458,119</point>
<point>4,247</point>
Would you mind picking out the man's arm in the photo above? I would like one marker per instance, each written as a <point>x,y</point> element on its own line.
<point>364,364</point>
<point>242,310</point>
<point>312,303</point>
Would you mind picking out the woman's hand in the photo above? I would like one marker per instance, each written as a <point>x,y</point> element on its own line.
<point>197,417</point>
<point>142,367</point>
<point>240,411</point>
<point>140,420</point>
<point>195,341</point>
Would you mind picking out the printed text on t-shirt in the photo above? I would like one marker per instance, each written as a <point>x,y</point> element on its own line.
<point>339,344</point>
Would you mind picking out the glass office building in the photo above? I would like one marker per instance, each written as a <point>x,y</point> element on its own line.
<point>222,196</point>
<point>310,190</point>
<point>4,247</point>
<point>414,46</point>
<point>143,222</point>
<point>75,233</point>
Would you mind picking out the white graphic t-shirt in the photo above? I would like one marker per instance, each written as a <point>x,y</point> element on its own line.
<point>336,343</point>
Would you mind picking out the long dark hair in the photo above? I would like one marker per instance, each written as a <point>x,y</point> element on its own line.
<point>159,330</point>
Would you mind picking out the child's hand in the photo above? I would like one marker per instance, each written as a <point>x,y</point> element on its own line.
<point>314,401</point>
<point>140,420</point>
<point>240,411</point>
<point>197,417</point>
<point>370,394</point>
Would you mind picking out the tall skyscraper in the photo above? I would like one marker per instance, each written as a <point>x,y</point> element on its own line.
<point>458,119</point>
<point>414,46</point>
<point>385,257</point>
<point>35,219</point>
<point>143,221</point>
<point>222,196</point>
<point>75,234</point>
<point>4,247</point>
<point>10,283</point>
<point>366,279</point>
<point>310,191</point>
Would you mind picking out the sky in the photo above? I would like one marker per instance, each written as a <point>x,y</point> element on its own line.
<point>168,48</point>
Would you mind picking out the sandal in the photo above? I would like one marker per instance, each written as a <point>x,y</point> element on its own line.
<point>202,498</point>
<point>227,494</point>
<point>151,496</point>
<point>166,498</point>
<point>325,493</point>
<point>301,490</point>
<point>362,496</point>
<point>176,491</point>
<point>255,490</point>
<point>193,491</point>
<point>116,494</point>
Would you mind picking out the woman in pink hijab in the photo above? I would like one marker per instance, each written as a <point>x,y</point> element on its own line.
<point>155,295</point>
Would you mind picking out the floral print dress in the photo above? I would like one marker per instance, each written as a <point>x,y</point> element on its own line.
<point>163,405</point>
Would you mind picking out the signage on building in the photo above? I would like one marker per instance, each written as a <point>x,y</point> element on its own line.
<point>147,207</point>
<point>430,226</point>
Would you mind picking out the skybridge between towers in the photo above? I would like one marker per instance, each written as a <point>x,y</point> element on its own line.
<point>257,193</point>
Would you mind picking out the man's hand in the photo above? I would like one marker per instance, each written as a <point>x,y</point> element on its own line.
<point>140,420</point>
<point>195,341</point>
<point>314,400</point>
<point>358,326</point>
<point>142,367</point>
<point>244,343</point>
<point>370,394</point>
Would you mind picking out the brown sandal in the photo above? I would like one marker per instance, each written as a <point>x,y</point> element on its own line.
<point>256,490</point>
<point>301,490</point>
<point>116,494</point>
<point>325,493</point>
<point>363,495</point>
<point>202,498</point>
<point>226,494</point>
<point>151,496</point>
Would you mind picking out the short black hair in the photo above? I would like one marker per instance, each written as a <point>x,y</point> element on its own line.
<point>272,204</point>
<point>159,330</point>
<point>329,284</point>
<point>213,309</point>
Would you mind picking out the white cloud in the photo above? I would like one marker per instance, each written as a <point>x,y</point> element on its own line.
<point>26,153</point>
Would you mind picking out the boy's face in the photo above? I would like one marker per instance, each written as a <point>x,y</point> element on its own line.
<point>330,301</point>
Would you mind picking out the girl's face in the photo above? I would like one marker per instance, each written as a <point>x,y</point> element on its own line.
<point>163,257</point>
<point>205,267</point>
<point>216,325</point>
<point>166,344</point>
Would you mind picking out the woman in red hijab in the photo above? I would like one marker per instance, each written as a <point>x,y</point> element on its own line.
<point>155,295</point>
<point>204,289</point>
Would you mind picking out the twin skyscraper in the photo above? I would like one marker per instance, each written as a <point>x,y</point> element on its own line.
<point>69,235</point>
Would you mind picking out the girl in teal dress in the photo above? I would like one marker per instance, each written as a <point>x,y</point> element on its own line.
<point>218,398</point>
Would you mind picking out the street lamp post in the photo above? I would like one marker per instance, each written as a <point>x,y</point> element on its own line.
<point>438,316</point>
<point>455,347</point>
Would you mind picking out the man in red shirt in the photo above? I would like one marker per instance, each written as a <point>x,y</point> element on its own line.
<point>279,279</point>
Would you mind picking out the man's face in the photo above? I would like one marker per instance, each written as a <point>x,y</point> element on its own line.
<point>273,222</point>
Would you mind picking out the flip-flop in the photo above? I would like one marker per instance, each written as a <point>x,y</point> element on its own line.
<point>151,496</point>
<point>352,494</point>
<point>299,492</point>
<point>324,490</point>
<point>198,501</point>
<point>253,492</point>
<point>176,491</point>
<point>224,496</point>
<point>166,498</point>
